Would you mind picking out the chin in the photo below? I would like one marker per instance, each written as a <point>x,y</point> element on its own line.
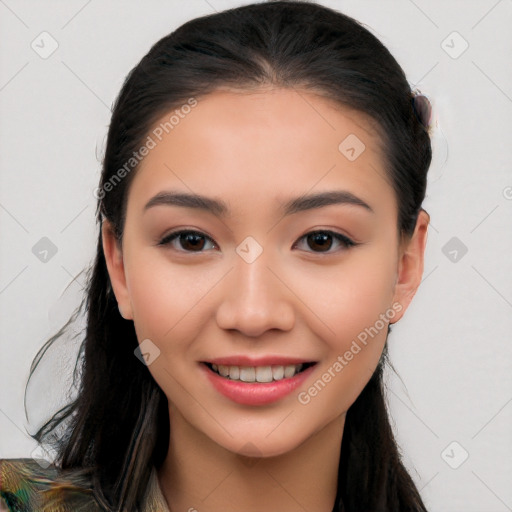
<point>263,445</point>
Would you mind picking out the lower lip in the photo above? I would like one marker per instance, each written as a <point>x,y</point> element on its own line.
<point>256,393</point>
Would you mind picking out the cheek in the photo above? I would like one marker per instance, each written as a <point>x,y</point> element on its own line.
<point>353,297</point>
<point>364,327</point>
<point>168,310</point>
<point>366,296</point>
<point>170,301</point>
<point>355,302</point>
<point>359,314</point>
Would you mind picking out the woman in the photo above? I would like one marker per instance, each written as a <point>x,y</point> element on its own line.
<point>260,229</point>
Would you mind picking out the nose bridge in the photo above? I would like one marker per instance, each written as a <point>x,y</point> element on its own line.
<point>254,279</point>
<point>254,299</point>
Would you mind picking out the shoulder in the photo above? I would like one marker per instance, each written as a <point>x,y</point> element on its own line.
<point>27,486</point>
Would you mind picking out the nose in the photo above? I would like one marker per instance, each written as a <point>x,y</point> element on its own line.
<point>255,298</point>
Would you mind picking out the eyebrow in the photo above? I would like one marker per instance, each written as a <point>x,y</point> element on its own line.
<point>220,209</point>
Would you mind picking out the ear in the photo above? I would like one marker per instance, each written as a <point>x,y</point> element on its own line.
<point>115,266</point>
<point>410,265</point>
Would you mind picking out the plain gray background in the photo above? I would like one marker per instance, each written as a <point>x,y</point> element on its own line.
<point>452,413</point>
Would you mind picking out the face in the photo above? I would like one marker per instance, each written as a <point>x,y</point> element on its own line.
<point>264,279</point>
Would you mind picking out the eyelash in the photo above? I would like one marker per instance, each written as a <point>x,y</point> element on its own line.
<point>345,241</point>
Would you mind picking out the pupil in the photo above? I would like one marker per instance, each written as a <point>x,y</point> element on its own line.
<point>321,237</point>
<point>193,236</point>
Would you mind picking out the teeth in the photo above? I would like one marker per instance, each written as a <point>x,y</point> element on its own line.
<point>264,374</point>
<point>289,371</point>
<point>247,374</point>
<point>234,372</point>
<point>278,372</point>
<point>224,370</point>
<point>259,373</point>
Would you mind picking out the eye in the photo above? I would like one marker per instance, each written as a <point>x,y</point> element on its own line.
<point>190,241</point>
<point>322,240</point>
<point>194,241</point>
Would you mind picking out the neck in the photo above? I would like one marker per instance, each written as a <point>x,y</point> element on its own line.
<point>200,475</point>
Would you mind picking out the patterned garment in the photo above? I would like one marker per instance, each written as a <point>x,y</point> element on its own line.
<point>25,486</point>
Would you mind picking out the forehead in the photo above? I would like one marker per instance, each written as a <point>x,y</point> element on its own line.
<point>268,143</point>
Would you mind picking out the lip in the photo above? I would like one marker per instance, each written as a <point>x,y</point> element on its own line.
<point>255,393</point>
<point>258,361</point>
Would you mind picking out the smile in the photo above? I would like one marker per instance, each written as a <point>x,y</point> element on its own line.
<point>257,385</point>
<point>259,373</point>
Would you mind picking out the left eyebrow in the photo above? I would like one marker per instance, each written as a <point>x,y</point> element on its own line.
<point>220,209</point>
<point>321,199</point>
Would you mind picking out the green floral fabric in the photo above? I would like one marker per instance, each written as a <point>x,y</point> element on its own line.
<point>27,486</point>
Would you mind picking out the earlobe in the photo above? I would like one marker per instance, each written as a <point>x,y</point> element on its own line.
<point>411,264</point>
<point>115,266</point>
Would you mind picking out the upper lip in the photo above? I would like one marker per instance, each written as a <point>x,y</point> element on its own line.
<point>258,361</point>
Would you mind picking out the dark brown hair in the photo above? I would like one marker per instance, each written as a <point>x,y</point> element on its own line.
<point>118,426</point>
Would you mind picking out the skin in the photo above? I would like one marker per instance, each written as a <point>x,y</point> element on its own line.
<point>255,150</point>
